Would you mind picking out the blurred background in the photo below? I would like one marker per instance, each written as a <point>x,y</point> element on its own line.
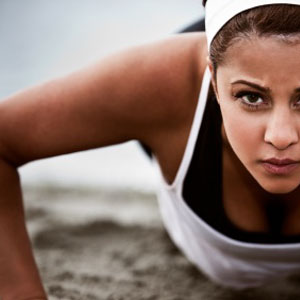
<point>42,39</point>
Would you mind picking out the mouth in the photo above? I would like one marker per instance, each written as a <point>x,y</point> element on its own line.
<point>280,169</point>
<point>277,161</point>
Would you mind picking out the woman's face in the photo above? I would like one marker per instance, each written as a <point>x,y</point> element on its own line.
<point>258,90</point>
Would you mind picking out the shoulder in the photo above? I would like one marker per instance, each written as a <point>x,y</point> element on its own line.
<point>169,77</point>
<point>180,64</point>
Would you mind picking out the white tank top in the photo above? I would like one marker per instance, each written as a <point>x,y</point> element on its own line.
<point>229,262</point>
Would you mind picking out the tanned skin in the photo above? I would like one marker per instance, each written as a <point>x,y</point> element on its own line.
<point>147,93</point>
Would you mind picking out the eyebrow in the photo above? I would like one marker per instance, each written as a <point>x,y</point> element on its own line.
<point>256,86</point>
<point>259,87</point>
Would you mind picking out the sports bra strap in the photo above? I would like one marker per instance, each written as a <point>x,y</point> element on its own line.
<point>189,150</point>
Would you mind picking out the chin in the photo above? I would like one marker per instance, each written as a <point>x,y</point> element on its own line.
<point>279,186</point>
<point>276,185</point>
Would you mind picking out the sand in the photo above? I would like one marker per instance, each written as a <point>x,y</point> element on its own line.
<point>111,245</point>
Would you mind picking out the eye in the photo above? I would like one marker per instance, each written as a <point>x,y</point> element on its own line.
<point>298,103</point>
<point>249,99</point>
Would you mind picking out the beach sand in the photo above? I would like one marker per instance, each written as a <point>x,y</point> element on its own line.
<point>111,245</point>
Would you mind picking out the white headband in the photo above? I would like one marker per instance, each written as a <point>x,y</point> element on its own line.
<point>219,12</point>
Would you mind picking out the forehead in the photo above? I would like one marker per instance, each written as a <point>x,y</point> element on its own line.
<point>263,57</point>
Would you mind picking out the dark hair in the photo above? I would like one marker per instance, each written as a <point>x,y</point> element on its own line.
<point>274,19</point>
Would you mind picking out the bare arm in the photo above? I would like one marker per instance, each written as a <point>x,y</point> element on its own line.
<point>19,277</point>
<point>135,94</point>
<point>128,95</point>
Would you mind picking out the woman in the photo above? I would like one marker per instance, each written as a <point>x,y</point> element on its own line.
<point>228,157</point>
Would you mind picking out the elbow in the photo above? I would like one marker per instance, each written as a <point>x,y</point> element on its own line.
<point>9,156</point>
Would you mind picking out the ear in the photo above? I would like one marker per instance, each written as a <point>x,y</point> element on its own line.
<point>213,81</point>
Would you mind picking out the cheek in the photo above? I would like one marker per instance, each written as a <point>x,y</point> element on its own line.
<point>242,134</point>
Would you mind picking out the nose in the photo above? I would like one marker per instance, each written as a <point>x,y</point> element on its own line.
<point>282,130</point>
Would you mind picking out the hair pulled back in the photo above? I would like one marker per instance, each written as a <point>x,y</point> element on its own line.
<point>268,20</point>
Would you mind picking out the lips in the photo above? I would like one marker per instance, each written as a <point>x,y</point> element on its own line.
<point>280,166</point>
<point>280,162</point>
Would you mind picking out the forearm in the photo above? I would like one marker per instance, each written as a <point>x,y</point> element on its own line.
<point>19,277</point>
